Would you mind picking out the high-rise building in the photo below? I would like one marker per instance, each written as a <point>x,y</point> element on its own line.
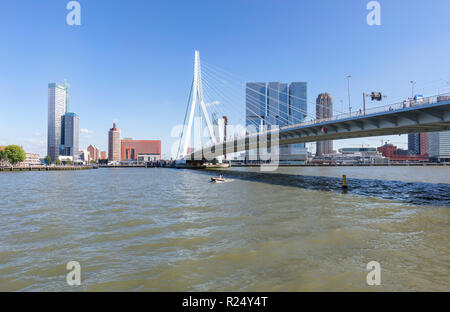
<point>277,109</point>
<point>324,110</point>
<point>255,105</point>
<point>414,143</point>
<point>297,110</point>
<point>57,105</point>
<point>418,143</point>
<point>103,155</point>
<point>439,145</point>
<point>277,104</point>
<point>70,135</point>
<point>93,153</point>
<point>255,111</point>
<point>114,144</point>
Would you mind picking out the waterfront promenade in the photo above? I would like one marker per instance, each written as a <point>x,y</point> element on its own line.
<point>47,168</point>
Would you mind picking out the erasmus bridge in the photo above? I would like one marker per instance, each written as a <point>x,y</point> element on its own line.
<point>427,115</point>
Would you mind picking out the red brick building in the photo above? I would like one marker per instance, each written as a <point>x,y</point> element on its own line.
<point>424,144</point>
<point>390,151</point>
<point>93,152</point>
<point>140,150</point>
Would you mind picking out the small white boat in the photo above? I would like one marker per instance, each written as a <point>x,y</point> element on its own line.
<point>218,179</point>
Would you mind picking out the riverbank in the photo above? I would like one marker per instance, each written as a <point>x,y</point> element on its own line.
<point>350,165</point>
<point>46,168</point>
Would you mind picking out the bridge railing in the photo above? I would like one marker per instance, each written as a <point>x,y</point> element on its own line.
<point>379,109</point>
<point>369,111</point>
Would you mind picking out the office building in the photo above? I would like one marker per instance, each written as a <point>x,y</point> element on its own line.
<point>418,143</point>
<point>70,135</point>
<point>255,111</point>
<point>57,105</point>
<point>114,144</point>
<point>324,110</point>
<point>141,150</point>
<point>255,105</point>
<point>439,146</point>
<point>297,111</point>
<point>399,155</point>
<point>93,153</point>
<point>276,105</point>
<point>84,156</point>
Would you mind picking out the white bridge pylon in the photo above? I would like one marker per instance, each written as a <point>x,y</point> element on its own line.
<point>197,98</point>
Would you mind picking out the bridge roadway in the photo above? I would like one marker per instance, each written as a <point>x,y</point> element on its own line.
<point>432,115</point>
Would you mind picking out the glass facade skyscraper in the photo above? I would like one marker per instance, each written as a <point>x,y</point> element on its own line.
<point>57,100</point>
<point>414,143</point>
<point>277,105</point>
<point>297,110</point>
<point>70,139</point>
<point>255,105</point>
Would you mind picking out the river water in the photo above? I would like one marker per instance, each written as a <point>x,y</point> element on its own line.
<point>172,230</point>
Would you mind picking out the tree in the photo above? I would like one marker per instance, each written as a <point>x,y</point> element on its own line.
<point>58,162</point>
<point>14,154</point>
<point>68,162</point>
<point>47,160</point>
<point>2,156</point>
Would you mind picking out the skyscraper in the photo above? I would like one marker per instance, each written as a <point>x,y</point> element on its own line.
<point>414,143</point>
<point>418,143</point>
<point>70,135</point>
<point>57,101</point>
<point>255,111</point>
<point>324,109</point>
<point>297,110</point>
<point>277,104</point>
<point>114,144</point>
<point>255,105</point>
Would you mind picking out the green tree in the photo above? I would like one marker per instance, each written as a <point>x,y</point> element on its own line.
<point>68,162</point>
<point>58,162</point>
<point>47,160</point>
<point>2,156</point>
<point>14,154</point>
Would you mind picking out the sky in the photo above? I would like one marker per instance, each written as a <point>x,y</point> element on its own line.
<point>132,61</point>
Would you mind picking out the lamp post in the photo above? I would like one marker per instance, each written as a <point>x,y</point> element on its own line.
<point>348,90</point>
<point>412,88</point>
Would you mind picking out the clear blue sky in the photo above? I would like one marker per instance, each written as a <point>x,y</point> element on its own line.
<point>133,60</point>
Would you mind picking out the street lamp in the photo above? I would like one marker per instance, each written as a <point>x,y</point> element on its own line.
<point>348,89</point>
<point>412,88</point>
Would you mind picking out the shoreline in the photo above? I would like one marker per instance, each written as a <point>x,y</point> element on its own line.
<point>352,165</point>
<point>45,168</point>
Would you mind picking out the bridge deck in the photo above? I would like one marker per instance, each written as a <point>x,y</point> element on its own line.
<point>428,117</point>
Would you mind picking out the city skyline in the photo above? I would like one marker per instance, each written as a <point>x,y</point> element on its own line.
<point>155,76</point>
